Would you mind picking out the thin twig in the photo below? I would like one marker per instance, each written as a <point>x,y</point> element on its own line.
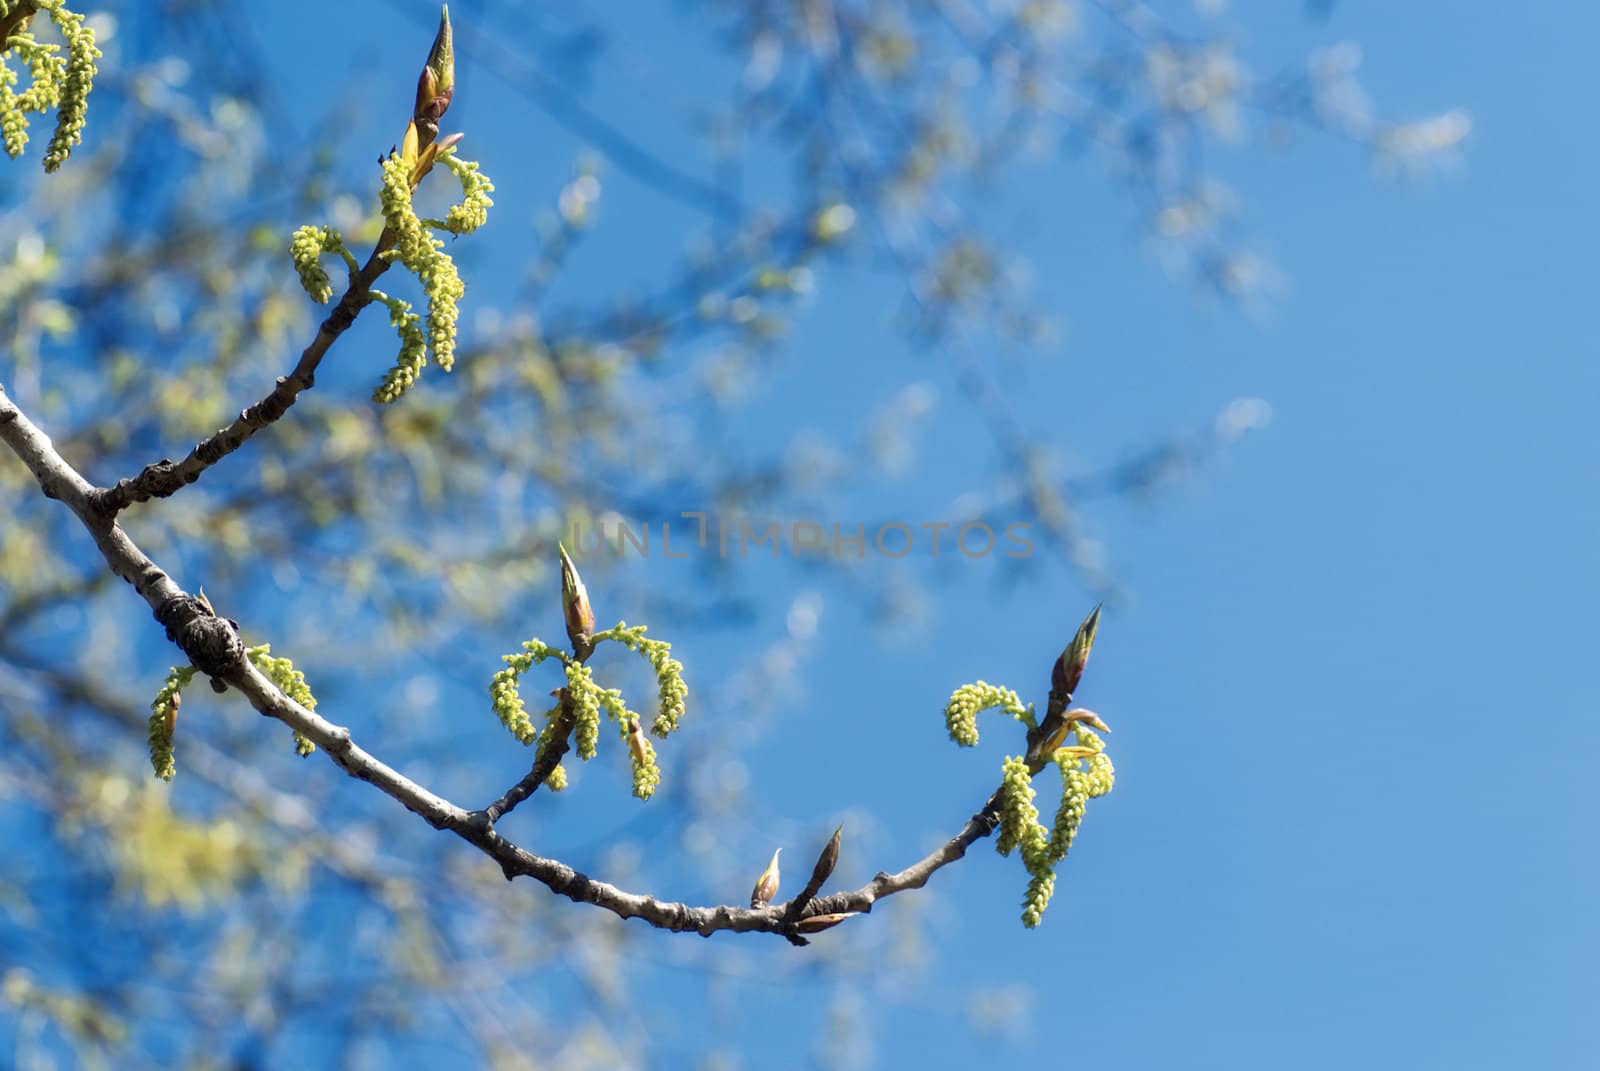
<point>165,477</point>
<point>543,765</point>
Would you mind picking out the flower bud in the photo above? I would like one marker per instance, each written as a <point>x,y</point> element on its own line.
<point>1069,667</point>
<point>638,746</point>
<point>767,884</point>
<point>827,860</point>
<point>437,83</point>
<point>818,923</point>
<point>575,608</point>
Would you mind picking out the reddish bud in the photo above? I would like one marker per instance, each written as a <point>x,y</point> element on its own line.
<point>1069,667</point>
<point>827,860</point>
<point>436,85</point>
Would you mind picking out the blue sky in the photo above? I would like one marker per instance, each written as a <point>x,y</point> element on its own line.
<point>1350,678</point>
<point>1350,684</point>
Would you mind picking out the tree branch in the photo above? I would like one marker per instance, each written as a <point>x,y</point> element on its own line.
<point>543,765</point>
<point>213,645</point>
<point>164,477</point>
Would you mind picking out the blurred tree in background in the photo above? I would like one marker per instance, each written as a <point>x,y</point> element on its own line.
<point>258,909</point>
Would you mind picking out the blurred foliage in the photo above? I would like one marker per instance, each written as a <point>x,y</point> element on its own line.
<point>146,295</point>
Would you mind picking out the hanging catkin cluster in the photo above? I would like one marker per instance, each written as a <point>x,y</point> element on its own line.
<point>53,81</point>
<point>1086,770</point>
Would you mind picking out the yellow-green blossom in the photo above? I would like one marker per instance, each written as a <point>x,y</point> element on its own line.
<point>291,682</point>
<point>62,84</point>
<point>970,700</point>
<point>164,720</point>
<point>672,690</point>
<point>504,696</point>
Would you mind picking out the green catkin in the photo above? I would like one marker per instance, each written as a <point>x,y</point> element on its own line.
<point>589,702</point>
<point>413,349</point>
<point>72,112</point>
<point>504,696</point>
<point>413,243</point>
<point>54,82</point>
<point>163,718</point>
<point>473,211</point>
<point>291,682</point>
<point>306,248</point>
<point>423,255</point>
<point>1083,777</point>
<point>582,694</point>
<point>970,700</point>
<point>672,690</point>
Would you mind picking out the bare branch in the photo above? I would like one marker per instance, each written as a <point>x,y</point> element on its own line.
<point>164,477</point>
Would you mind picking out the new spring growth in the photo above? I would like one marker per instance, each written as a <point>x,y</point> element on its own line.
<point>575,608</point>
<point>1068,670</point>
<point>674,692</point>
<point>291,682</point>
<point>970,700</point>
<point>567,715</point>
<point>646,774</point>
<point>1064,678</point>
<point>1019,819</point>
<point>307,247</point>
<point>412,241</point>
<point>504,696</point>
<point>766,885</point>
<point>558,721</point>
<point>582,703</point>
<point>1050,744</point>
<point>437,83</point>
<point>415,246</point>
<point>818,923</point>
<point>164,721</point>
<point>408,238</point>
<point>62,84</point>
<point>826,861</point>
<point>419,155</point>
<point>1020,829</point>
<point>820,872</point>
